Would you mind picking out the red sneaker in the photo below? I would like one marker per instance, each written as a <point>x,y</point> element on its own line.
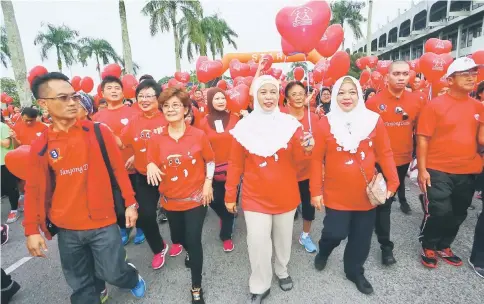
<point>175,250</point>
<point>449,257</point>
<point>159,259</point>
<point>428,258</point>
<point>228,246</point>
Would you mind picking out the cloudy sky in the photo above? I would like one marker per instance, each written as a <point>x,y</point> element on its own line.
<point>253,20</point>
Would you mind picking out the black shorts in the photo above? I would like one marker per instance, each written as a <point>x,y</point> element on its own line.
<point>308,210</point>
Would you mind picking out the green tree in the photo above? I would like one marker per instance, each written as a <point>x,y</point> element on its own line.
<point>354,70</point>
<point>10,87</point>
<point>210,33</point>
<point>134,66</point>
<point>17,57</point>
<point>4,50</point>
<point>163,18</point>
<point>348,12</point>
<point>164,80</point>
<point>102,51</point>
<point>60,38</point>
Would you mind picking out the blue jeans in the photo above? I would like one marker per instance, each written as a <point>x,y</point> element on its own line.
<point>91,257</point>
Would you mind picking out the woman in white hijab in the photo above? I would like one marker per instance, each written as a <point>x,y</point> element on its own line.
<point>352,139</point>
<point>267,145</point>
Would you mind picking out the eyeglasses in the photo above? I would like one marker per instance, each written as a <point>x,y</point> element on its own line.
<point>401,111</point>
<point>146,96</point>
<point>466,73</point>
<point>175,106</point>
<point>64,98</point>
<point>297,95</point>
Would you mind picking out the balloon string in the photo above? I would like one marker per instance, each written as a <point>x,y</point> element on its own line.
<point>430,92</point>
<point>309,101</point>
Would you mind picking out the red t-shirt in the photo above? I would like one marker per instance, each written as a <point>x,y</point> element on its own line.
<point>137,134</point>
<point>452,126</point>
<point>399,130</point>
<point>26,134</point>
<point>183,161</point>
<point>116,120</point>
<point>220,142</point>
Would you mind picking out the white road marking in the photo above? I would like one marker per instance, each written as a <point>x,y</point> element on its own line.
<point>17,264</point>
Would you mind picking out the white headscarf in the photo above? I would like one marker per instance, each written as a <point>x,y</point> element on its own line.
<point>350,128</point>
<point>263,133</point>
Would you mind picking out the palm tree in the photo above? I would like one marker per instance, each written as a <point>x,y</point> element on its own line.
<point>4,51</point>
<point>212,31</point>
<point>17,53</point>
<point>125,36</point>
<point>100,49</point>
<point>134,66</point>
<point>62,39</point>
<point>163,18</point>
<point>348,12</point>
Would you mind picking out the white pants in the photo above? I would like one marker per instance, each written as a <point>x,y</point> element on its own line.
<point>260,227</point>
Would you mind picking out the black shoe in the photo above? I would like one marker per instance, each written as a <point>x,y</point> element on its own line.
<point>362,284</point>
<point>187,261</point>
<point>428,258</point>
<point>405,207</point>
<point>286,284</point>
<point>9,292</point>
<point>449,257</point>
<point>387,257</point>
<point>320,262</point>
<point>257,298</point>
<point>197,296</point>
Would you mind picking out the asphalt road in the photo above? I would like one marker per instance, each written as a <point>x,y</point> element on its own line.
<point>226,274</point>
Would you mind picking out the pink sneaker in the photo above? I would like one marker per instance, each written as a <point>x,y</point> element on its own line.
<point>159,259</point>
<point>176,249</point>
<point>228,246</point>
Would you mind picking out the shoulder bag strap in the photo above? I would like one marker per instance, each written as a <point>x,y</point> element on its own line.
<point>104,152</point>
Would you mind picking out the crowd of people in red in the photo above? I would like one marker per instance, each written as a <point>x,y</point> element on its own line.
<point>177,154</point>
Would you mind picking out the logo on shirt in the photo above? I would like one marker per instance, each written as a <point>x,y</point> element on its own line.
<point>145,134</point>
<point>55,155</point>
<point>71,171</point>
<point>39,133</point>
<point>124,121</point>
<point>476,116</point>
<point>382,107</point>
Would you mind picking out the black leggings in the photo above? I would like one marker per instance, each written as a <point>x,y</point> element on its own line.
<point>218,205</point>
<point>147,197</point>
<point>308,210</point>
<point>10,187</point>
<point>186,227</point>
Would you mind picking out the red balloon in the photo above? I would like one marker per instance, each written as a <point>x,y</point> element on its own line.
<point>238,68</point>
<point>339,65</point>
<point>478,57</point>
<point>253,67</point>
<point>129,85</point>
<point>364,77</point>
<point>173,83</point>
<point>16,161</point>
<point>276,73</point>
<point>434,66</point>
<point>288,49</point>
<point>87,84</point>
<point>376,79</point>
<point>331,41</point>
<point>382,66</point>
<point>327,82</point>
<point>112,69</point>
<point>237,98</point>
<point>222,84</point>
<point>182,77</point>
<point>10,109</point>
<point>5,112</point>
<point>36,72</point>
<point>283,77</point>
<point>76,83</point>
<point>303,26</point>
<point>238,80</point>
<point>298,73</point>
<point>268,62</point>
<point>411,79</point>
<point>99,90</point>
<point>248,80</point>
<point>414,65</point>
<point>438,46</point>
<point>372,61</point>
<point>360,63</point>
<point>208,69</point>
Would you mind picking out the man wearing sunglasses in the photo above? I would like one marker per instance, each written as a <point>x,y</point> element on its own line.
<point>399,110</point>
<point>448,161</point>
<point>68,192</point>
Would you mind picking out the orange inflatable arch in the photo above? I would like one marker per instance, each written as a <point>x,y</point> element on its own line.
<point>278,56</point>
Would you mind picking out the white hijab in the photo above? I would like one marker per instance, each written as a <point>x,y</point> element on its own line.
<point>350,128</point>
<point>263,133</point>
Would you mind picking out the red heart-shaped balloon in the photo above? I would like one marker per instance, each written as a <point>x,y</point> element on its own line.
<point>339,65</point>
<point>15,161</point>
<point>129,85</point>
<point>253,66</point>
<point>237,98</point>
<point>438,46</point>
<point>288,49</point>
<point>364,77</point>
<point>331,41</point>
<point>208,69</point>
<point>434,66</point>
<point>182,77</point>
<point>298,73</point>
<point>238,80</point>
<point>238,68</point>
<point>112,69</point>
<point>414,65</point>
<point>372,61</point>
<point>382,66</point>
<point>276,73</point>
<point>248,80</point>
<point>478,57</point>
<point>376,79</point>
<point>76,83</point>
<point>303,26</point>
<point>268,60</point>
<point>411,76</point>
<point>35,72</point>
<point>222,84</point>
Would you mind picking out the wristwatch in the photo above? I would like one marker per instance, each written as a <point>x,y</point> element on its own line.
<point>135,206</point>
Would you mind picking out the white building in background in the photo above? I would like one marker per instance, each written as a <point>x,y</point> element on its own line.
<point>461,22</point>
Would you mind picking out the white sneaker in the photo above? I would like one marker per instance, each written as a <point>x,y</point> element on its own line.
<point>12,217</point>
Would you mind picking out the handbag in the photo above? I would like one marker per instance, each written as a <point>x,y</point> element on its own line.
<point>220,174</point>
<point>376,189</point>
<point>119,207</point>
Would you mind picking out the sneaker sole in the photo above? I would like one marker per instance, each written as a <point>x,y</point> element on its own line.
<point>306,248</point>
<point>177,254</point>
<point>138,243</point>
<point>473,268</point>
<point>451,263</point>
<point>10,221</point>
<point>144,291</point>
<point>229,250</point>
